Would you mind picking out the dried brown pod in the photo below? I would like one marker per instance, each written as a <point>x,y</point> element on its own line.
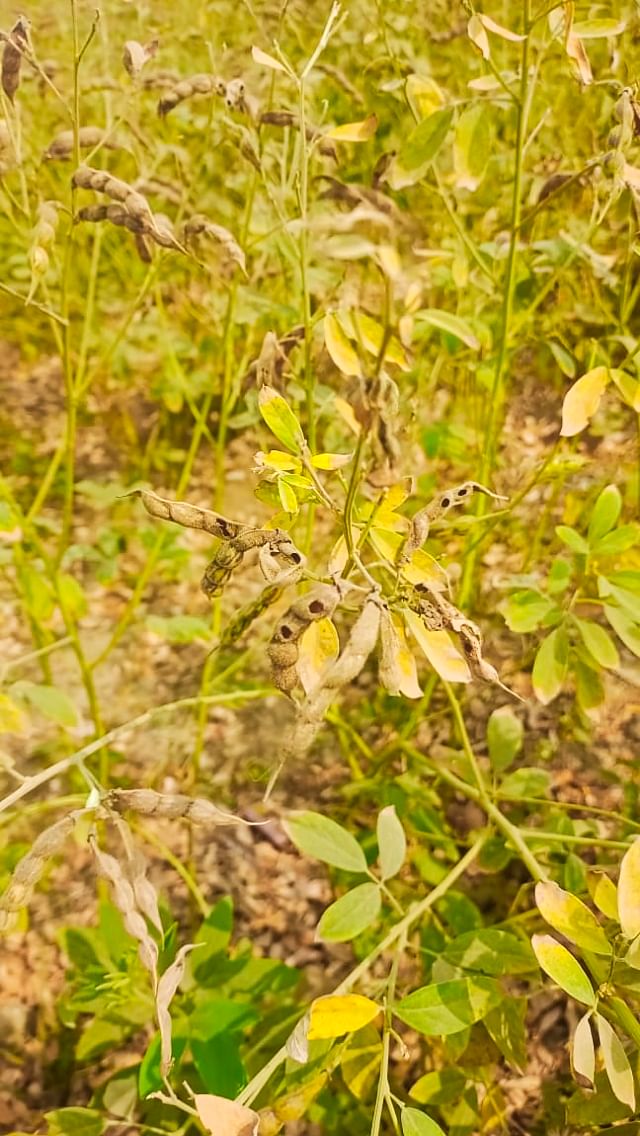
<point>158,229</point>
<point>186,89</point>
<point>201,226</point>
<point>270,366</point>
<point>283,649</point>
<point>135,55</point>
<point>439,507</point>
<point>353,195</point>
<point>62,146</point>
<point>31,867</point>
<point>16,43</point>
<point>100,181</point>
<point>284,118</point>
<point>147,802</point>
<point>124,899</point>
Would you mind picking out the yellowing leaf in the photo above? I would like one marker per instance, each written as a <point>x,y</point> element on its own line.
<point>330,461</point>
<point>319,648</point>
<point>346,413</point>
<point>287,496</point>
<point>397,670</point>
<point>386,543</point>
<point>277,459</point>
<point>583,1053</point>
<point>604,894</point>
<point>478,36</point>
<point>499,30</point>
<point>616,1064</point>
<point>338,1014</point>
<point>423,95</point>
<point>354,131</point>
<point>394,495</point>
<point>571,917</point>
<point>224,1117</point>
<point>422,568</point>
<point>12,719</point>
<point>368,333</point>
<point>339,348</point>
<point>267,60</point>
<point>629,891</point>
<point>280,418</point>
<point>439,649</point>
<point>563,968</point>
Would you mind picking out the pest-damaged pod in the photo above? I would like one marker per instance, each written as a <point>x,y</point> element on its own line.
<point>284,646</point>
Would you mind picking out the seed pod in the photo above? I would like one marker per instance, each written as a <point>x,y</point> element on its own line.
<point>124,899</point>
<point>187,88</point>
<point>283,648</point>
<point>135,55</point>
<point>62,145</point>
<point>190,516</point>
<point>199,226</point>
<point>438,508</point>
<point>244,618</point>
<point>30,868</point>
<point>149,803</point>
<point>286,118</point>
<point>16,43</point>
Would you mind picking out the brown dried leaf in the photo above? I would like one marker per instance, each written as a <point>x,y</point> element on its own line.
<point>224,1117</point>
<point>16,43</point>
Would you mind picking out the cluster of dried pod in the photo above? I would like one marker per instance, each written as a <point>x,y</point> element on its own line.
<point>131,209</point>
<point>281,562</point>
<point>16,44</point>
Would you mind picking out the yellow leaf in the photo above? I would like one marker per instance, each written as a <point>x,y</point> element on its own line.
<point>287,496</point>
<point>319,648</point>
<point>398,672</point>
<point>389,261</point>
<point>439,649</point>
<point>224,1117</point>
<point>386,543</point>
<point>12,719</point>
<point>339,348</point>
<point>369,334</point>
<point>354,131</point>
<point>424,569</point>
<point>629,891</point>
<point>582,400</point>
<point>330,461</point>
<point>424,96</point>
<point>277,459</point>
<point>338,1014</point>
<point>346,413</point>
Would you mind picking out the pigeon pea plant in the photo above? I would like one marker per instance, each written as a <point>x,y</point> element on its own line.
<point>218,241</point>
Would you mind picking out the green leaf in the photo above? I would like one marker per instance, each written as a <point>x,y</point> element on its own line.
<point>447,1007</point>
<point>75,1122</point>
<point>560,965</point>
<point>605,513</point>
<point>527,782</point>
<point>416,1123</point>
<point>179,628</point>
<point>51,702</point>
<point>505,734</point>
<point>620,540</point>
<point>351,914</point>
<point>506,1027</point>
<point>598,642</point>
<point>550,666</point>
<point>280,418</point>
<point>453,325</point>
<point>598,28</point>
<point>360,1063</point>
<point>419,149</point>
<point>583,1053</point>
<point>624,627</point>
<point>572,539</point>
<point>525,611</point>
<point>392,843</point>
<point>604,894</point>
<point>326,840</point>
<point>629,891</point>
<point>572,918</point>
<point>616,1064</point>
<point>491,952</point>
<point>439,1087</point>
<point>472,146</point>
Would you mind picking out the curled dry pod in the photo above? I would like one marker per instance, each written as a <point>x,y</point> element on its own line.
<point>187,88</point>
<point>283,649</point>
<point>438,508</point>
<point>200,226</point>
<point>190,516</point>
<point>148,802</point>
<point>30,868</point>
<point>16,43</point>
<point>135,55</point>
<point>124,899</point>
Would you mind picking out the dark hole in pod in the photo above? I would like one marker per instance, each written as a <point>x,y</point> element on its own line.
<point>285,632</point>
<point>316,607</point>
<point>445,502</point>
<point>463,492</point>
